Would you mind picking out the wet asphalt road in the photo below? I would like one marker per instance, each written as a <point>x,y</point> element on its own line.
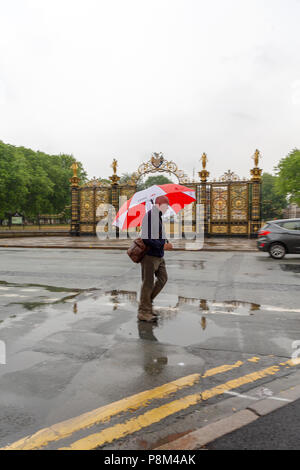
<point>68,319</point>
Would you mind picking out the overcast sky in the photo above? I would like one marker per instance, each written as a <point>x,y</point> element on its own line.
<point>105,79</point>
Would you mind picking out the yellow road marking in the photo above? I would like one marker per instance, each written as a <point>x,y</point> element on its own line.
<point>102,414</point>
<point>254,359</point>
<point>224,368</point>
<point>105,413</point>
<point>118,431</point>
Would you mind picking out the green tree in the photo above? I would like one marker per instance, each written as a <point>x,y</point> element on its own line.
<point>152,180</point>
<point>34,182</point>
<point>104,180</point>
<point>288,171</point>
<point>14,179</point>
<point>125,178</point>
<point>273,203</point>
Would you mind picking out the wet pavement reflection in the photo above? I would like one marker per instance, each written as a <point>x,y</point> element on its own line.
<point>291,268</point>
<point>37,297</point>
<point>182,321</point>
<point>155,359</point>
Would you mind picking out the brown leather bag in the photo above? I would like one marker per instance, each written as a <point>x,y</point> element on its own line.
<point>137,250</point>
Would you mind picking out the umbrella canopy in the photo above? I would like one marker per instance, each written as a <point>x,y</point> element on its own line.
<point>133,211</point>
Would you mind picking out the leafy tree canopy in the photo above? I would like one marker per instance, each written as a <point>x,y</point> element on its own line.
<point>152,180</point>
<point>125,178</point>
<point>34,183</point>
<point>288,171</point>
<point>273,202</point>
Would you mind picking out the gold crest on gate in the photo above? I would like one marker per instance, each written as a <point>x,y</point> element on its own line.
<point>157,159</point>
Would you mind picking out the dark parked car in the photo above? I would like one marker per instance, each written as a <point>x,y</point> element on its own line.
<point>280,237</point>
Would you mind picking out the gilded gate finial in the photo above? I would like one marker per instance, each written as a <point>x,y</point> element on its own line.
<point>114,178</point>
<point>256,157</point>
<point>74,180</point>
<point>204,174</point>
<point>204,160</point>
<point>114,166</point>
<point>74,167</point>
<point>256,171</point>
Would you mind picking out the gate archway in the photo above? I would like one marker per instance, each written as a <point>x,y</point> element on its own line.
<point>232,206</point>
<point>157,164</point>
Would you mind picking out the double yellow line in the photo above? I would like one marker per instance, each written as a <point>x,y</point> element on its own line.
<point>134,402</point>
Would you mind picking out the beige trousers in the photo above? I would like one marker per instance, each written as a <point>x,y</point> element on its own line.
<point>151,266</point>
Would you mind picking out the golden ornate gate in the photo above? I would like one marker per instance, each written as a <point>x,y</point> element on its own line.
<point>231,205</point>
<point>229,213</point>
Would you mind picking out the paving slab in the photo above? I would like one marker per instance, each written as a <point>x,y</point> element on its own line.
<point>265,407</point>
<point>212,244</point>
<point>209,433</point>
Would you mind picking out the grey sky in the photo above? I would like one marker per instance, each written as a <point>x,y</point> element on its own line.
<point>106,79</point>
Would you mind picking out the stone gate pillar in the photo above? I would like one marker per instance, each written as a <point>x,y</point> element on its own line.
<point>74,201</point>
<point>255,214</point>
<point>115,189</point>
<point>203,175</point>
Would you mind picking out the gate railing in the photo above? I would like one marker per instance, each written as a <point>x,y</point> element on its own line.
<point>232,207</point>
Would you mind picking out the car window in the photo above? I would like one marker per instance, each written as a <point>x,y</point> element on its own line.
<point>265,227</point>
<point>291,225</point>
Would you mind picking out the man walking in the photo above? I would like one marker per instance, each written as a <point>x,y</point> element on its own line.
<point>153,263</point>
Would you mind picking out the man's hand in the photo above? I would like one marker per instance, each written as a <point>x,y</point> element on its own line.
<point>168,246</point>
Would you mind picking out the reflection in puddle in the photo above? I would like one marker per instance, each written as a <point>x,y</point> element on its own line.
<point>24,287</point>
<point>43,303</point>
<point>129,295</point>
<point>115,296</point>
<point>156,366</point>
<point>233,307</point>
<point>203,323</point>
<point>118,299</point>
<point>154,359</point>
<point>146,331</point>
<point>291,268</point>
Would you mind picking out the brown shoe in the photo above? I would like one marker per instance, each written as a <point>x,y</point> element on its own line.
<point>148,317</point>
<point>154,313</point>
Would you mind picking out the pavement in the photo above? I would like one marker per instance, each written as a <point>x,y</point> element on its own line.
<point>7,234</point>
<point>270,423</point>
<point>81,372</point>
<point>86,242</point>
<point>278,430</point>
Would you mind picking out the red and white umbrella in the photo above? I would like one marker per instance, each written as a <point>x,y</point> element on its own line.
<point>133,211</point>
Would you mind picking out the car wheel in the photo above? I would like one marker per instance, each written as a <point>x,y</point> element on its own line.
<point>277,251</point>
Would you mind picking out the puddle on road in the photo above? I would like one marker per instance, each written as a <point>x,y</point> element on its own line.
<point>182,328</point>
<point>232,307</point>
<point>181,319</point>
<point>291,268</point>
<point>19,297</point>
<point>119,299</point>
<point>27,287</point>
<point>109,318</point>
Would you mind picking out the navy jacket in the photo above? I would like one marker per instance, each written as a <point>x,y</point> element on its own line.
<point>153,233</point>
